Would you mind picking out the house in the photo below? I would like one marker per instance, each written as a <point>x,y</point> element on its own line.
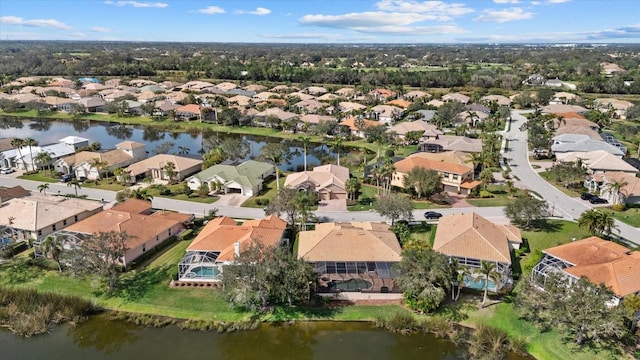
<point>347,107</point>
<point>277,113</point>
<point>553,83</point>
<point>82,164</point>
<point>611,68</point>
<point>579,130</point>
<point>351,256</point>
<point>451,143</point>
<point>534,79</point>
<point>222,240</point>
<point>600,261</point>
<point>347,93</point>
<point>470,239</point>
<point>382,94</point>
<point>454,177</point>
<point>501,100</point>
<point>36,215</point>
<point>574,119</point>
<point>327,180</point>
<point>470,117</point>
<point>600,183</point>
<point>315,90</point>
<point>385,114</point>
<point>616,106</point>
<point>311,120</point>
<point>350,122</point>
<point>563,97</point>
<point>246,178</point>
<point>188,112</point>
<point>26,157</point>
<point>456,97</point>
<point>416,94</point>
<point>598,161</point>
<point>400,103</point>
<point>163,108</point>
<point>425,115</point>
<point>15,192</point>
<point>582,143</point>
<point>563,108</point>
<point>155,167</point>
<point>429,131</point>
<point>146,229</point>
<point>310,106</point>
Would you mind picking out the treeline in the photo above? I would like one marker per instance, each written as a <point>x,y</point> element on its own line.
<point>485,66</point>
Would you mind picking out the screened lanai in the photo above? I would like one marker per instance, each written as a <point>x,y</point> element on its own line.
<point>69,240</point>
<point>355,276</point>
<point>200,266</point>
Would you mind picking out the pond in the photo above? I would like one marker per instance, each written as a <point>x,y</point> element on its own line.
<point>99,338</point>
<point>108,135</point>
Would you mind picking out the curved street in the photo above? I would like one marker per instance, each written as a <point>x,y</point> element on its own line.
<point>561,204</point>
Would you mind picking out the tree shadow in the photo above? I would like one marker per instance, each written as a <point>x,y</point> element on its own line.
<point>283,313</point>
<point>135,284</point>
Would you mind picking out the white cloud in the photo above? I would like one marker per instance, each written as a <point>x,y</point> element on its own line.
<point>99,29</point>
<point>440,9</point>
<point>211,10</point>
<point>306,35</point>
<point>43,23</point>
<point>535,3</point>
<point>558,1</point>
<point>78,35</point>
<point>622,33</point>
<point>371,19</point>
<point>511,14</point>
<point>413,30</point>
<point>138,4</point>
<point>506,1</point>
<point>260,11</point>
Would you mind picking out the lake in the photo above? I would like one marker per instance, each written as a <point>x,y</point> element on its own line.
<point>108,135</point>
<point>99,338</point>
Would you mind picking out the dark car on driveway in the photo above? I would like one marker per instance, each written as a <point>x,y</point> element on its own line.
<point>432,215</point>
<point>66,177</point>
<point>598,200</point>
<point>586,196</point>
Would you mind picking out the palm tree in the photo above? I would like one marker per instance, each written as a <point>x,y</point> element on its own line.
<point>170,171</point>
<point>122,175</point>
<point>183,150</point>
<point>352,185</point>
<point>597,222</point>
<point>276,153</point>
<point>461,273</point>
<point>487,271</point>
<point>141,194</point>
<point>336,144</point>
<point>76,185</point>
<point>99,165</point>
<point>31,142</point>
<point>616,190</point>
<point>52,246</point>
<point>305,140</point>
<point>18,144</point>
<point>43,188</point>
<point>44,158</point>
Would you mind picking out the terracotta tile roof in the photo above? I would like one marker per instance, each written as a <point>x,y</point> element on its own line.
<point>354,241</point>
<point>350,122</point>
<point>12,193</point>
<point>400,103</point>
<point>159,161</point>
<point>135,206</point>
<point>405,165</point>
<point>190,108</point>
<point>602,261</point>
<point>37,212</point>
<point>454,157</point>
<point>633,183</point>
<point>472,236</point>
<point>221,234</point>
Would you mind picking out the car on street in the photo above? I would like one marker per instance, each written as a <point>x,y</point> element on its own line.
<point>5,171</point>
<point>432,215</point>
<point>586,196</point>
<point>598,200</point>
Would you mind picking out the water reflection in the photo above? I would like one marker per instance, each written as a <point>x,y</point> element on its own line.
<point>105,336</point>
<point>120,131</point>
<point>40,125</point>
<point>10,123</point>
<point>279,341</point>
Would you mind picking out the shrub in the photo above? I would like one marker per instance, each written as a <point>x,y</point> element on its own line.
<point>262,201</point>
<point>485,194</point>
<point>401,323</point>
<point>186,234</point>
<point>618,207</point>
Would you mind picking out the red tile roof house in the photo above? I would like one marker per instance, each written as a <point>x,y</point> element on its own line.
<point>154,167</point>
<point>188,112</point>
<point>598,260</point>
<point>221,241</point>
<point>145,228</point>
<point>456,178</point>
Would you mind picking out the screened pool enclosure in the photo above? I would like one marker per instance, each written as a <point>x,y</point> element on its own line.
<point>200,266</point>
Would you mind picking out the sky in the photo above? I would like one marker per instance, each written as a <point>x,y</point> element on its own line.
<point>324,21</point>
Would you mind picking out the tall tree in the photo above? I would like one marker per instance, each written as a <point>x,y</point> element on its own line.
<point>336,145</point>
<point>44,158</point>
<point>19,144</point>
<point>99,165</point>
<point>580,309</point>
<point>424,275</point>
<point>31,143</point>
<point>101,254</point>
<point>277,154</point>
<point>527,211</point>
<point>183,150</point>
<point>76,185</point>
<point>487,272</point>
<point>306,141</point>
<point>170,171</point>
<point>43,188</point>
<point>597,222</point>
<point>52,247</point>
<point>616,189</point>
<point>394,207</point>
<point>425,182</point>
<point>352,185</point>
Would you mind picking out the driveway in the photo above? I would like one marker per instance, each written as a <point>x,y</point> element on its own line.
<point>561,204</point>
<point>332,205</point>
<point>231,200</point>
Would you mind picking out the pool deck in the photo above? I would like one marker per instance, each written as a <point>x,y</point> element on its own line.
<point>359,297</point>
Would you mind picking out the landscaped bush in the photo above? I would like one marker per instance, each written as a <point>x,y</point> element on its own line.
<point>618,207</point>
<point>262,201</point>
<point>186,234</point>
<point>400,322</point>
<point>486,194</point>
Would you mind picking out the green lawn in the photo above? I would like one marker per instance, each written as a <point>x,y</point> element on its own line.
<point>550,178</point>
<point>628,216</point>
<point>365,199</point>
<point>42,177</point>
<point>177,193</point>
<point>557,233</point>
<point>105,184</point>
<point>269,192</point>
<point>500,197</point>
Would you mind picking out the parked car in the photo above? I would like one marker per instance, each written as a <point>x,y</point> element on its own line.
<point>586,196</point>
<point>82,178</point>
<point>598,200</point>
<point>5,171</point>
<point>432,215</point>
<point>66,177</point>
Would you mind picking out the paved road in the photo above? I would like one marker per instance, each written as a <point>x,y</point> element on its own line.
<point>199,209</point>
<point>562,204</point>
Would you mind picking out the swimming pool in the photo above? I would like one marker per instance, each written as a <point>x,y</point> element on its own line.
<point>350,285</point>
<point>204,272</point>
